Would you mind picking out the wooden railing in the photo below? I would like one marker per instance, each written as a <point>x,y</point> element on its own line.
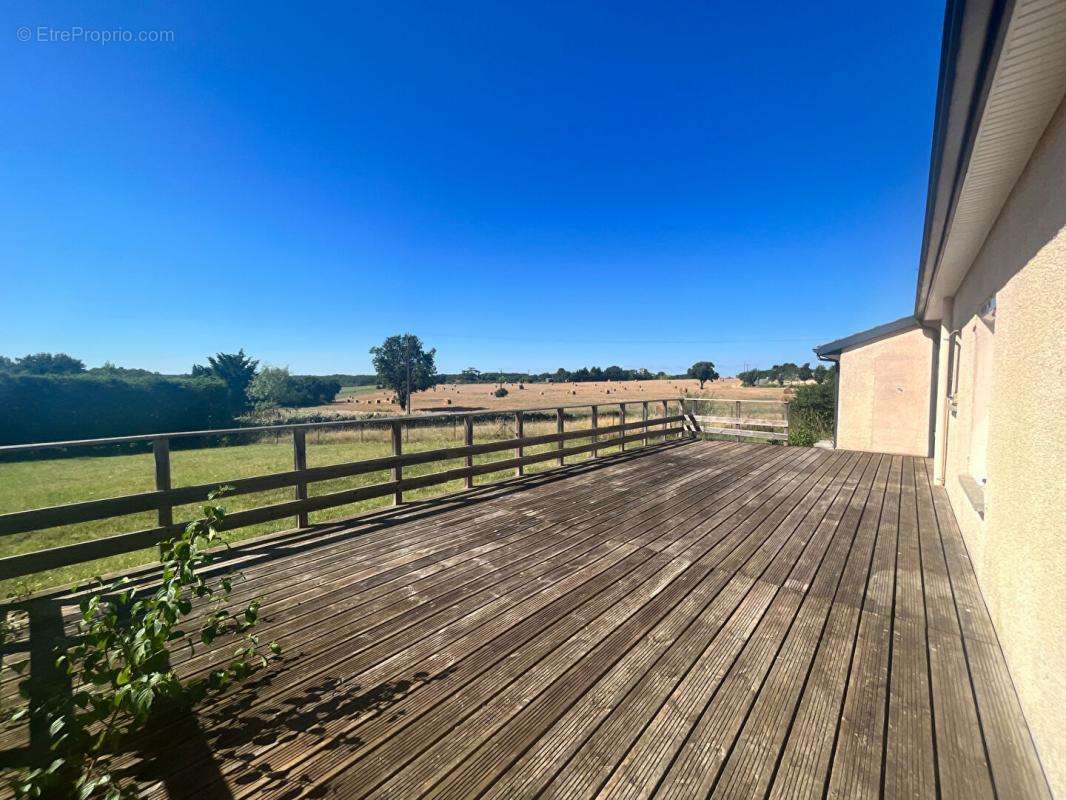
<point>165,497</point>
<point>739,419</point>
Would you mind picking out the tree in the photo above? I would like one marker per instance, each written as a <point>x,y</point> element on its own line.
<point>402,362</point>
<point>703,371</point>
<point>49,364</point>
<point>749,377</point>
<point>6,364</point>
<point>805,371</point>
<point>236,370</point>
<point>471,375</point>
<point>273,386</point>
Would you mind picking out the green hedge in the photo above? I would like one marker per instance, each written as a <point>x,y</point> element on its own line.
<point>41,408</point>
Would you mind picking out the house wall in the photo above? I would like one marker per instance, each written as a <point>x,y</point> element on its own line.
<point>885,392</point>
<point>1009,424</point>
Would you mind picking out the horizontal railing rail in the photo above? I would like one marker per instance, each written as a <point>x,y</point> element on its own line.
<point>165,497</point>
<point>740,424</point>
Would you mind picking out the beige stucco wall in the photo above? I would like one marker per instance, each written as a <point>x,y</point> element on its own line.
<point>885,391</point>
<point>1019,548</point>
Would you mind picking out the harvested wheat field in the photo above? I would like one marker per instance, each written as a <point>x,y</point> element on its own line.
<point>477,396</point>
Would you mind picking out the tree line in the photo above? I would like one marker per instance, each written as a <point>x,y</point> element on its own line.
<point>784,373</point>
<point>49,396</point>
<point>53,396</point>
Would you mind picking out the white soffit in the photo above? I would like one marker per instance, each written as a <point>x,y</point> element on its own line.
<point>1027,87</point>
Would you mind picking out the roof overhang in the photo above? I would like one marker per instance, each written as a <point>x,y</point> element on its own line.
<point>832,350</point>
<point>1002,76</point>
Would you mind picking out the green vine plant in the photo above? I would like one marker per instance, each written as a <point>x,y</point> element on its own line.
<point>117,672</point>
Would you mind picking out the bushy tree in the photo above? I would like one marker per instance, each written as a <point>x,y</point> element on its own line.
<point>236,370</point>
<point>749,377</point>
<point>48,364</point>
<point>703,371</point>
<point>275,386</point>
<point>272,386</point>
<point>402,361</point>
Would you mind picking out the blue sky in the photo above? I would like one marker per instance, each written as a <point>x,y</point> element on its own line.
<point>524,185</point>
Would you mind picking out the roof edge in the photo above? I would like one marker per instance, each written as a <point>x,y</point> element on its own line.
<point>974,31</point>
<point>825,352</point>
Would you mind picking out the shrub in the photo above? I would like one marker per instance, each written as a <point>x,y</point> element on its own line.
<point>501,392</point>
<point>119,667</point>
<point>40,408</point>
<point>812,412</point>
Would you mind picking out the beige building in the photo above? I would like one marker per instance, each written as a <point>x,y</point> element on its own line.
<point>976,377</point>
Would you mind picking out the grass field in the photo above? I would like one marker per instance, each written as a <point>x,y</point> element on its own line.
<point>41,483</point>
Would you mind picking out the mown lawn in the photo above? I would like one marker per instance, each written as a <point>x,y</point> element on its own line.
<point>42,483</point>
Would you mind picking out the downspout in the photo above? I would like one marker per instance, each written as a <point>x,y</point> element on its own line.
<point>941,409</point>
<point>836,404</point>
<point>835,361</point>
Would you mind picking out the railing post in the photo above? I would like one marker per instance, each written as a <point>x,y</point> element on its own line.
<point>622,421</point>
<point>737,414</point>
<point>468,440</point>
<point>666,413</point>
<point>559,416</point>
<point>788,421</point>
<point>161,452</point>
<point>644,416</point>
<point>299,463</point>
<point>519,432</point>
<point>397,450</point>
<point>595,426</point>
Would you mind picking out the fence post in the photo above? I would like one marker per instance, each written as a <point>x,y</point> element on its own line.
<point>299,463</point>
<point>644,416</point>
<point>737,414</point>
<point>519,432</point>
<point>559,416</point>
<point>788,422</point>
<point>468,440</point>
<point>595,426</point>
<point>622,421</point>
<point>397,449</point>
<point>161,451</point>
<point>666,413</point>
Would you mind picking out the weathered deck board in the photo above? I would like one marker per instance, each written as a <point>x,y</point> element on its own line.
<point>701,620</point>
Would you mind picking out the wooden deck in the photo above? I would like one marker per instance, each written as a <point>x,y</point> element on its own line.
<point>705,619</point>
